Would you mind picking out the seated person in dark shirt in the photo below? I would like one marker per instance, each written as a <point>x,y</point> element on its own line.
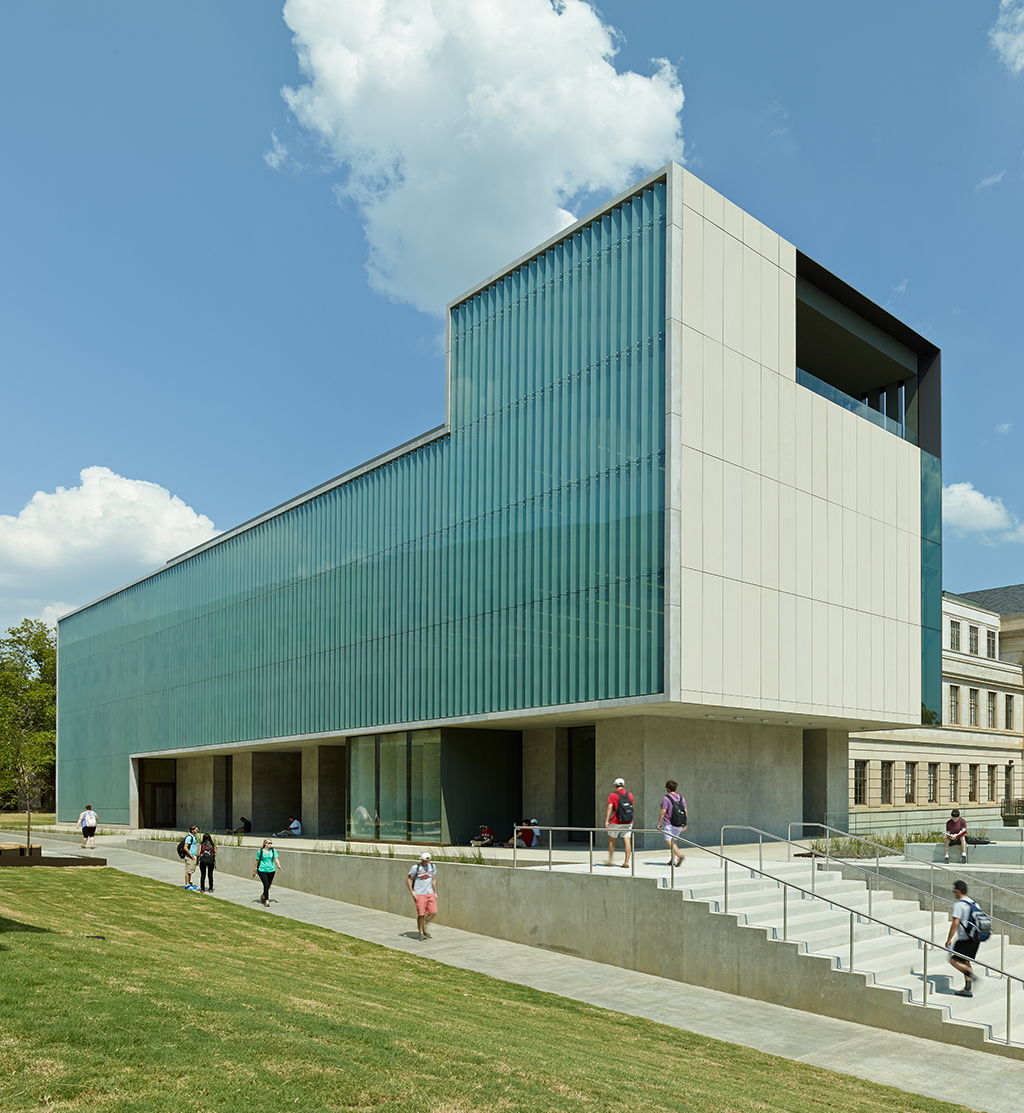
<point>245,829</point>
<point>956,831</point>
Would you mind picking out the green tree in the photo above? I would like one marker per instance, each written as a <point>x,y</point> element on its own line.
<point>28,714</point>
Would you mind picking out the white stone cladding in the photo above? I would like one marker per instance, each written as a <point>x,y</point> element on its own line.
<point>792,525</point>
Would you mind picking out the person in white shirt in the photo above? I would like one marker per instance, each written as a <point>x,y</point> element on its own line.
<point>293,828</point>
<point>965,948</point>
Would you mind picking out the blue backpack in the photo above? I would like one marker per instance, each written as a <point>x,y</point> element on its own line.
<point>978,925</point>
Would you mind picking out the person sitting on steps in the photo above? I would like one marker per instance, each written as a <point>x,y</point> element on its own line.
<point>956,831</point>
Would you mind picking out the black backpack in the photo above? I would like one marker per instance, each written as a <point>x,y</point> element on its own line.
<point>208,853</point>
<point>181,848</point>
<point>624,808</point>
<point>677,817</point>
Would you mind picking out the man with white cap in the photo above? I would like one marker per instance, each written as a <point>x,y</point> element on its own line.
<point>618,819</point>
<point>422,882</point>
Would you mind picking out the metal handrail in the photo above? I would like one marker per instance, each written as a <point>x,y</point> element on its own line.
<point>961,874</point>
<point>850,863</point>
<point>855,914</point>
<point>890,853</point>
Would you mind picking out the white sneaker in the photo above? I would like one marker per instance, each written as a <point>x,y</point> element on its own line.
<point>963,859</point>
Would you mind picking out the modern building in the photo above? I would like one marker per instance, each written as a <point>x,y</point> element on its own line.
<point>910,780</point>
<point>682,520</point>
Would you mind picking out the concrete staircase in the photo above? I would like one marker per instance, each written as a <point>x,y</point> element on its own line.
<point>884,956</point>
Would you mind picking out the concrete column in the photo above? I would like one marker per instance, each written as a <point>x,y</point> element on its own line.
<point>620,750</point>
<point>195,797</point>
<point>241,788</point>
<point>323,791</point>
<point>133,792</point>
<point>827,778</point>
<point>546,776</point>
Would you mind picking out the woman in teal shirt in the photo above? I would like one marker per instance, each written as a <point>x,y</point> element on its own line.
<point>267,864</point>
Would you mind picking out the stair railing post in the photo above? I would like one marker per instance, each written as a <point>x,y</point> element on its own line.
<point>515,832</point>
<point>785,912</point>
<point>925,978</point>
<point>550,840</point>
<point>1002,953</point>
<point>851,942</point>
<point>1009,982</point>
<point>591,849</point>
<point>760,851</point>
<point>931,877</point>
<point>869,894</point>
<point>725,862</point>
<point>672,866</point>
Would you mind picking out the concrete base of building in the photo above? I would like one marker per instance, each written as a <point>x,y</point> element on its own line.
<point>596,918</point>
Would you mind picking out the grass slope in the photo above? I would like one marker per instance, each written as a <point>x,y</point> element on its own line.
<point>191,1004</point>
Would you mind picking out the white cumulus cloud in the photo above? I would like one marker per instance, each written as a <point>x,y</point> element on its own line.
<point>469,129</point>
<point>1007,34</point>
<point>967,512</point>
<point>71,545</point>
<point>1005,427</point>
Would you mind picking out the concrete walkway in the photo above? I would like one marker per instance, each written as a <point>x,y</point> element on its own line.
<point>984,1082</point>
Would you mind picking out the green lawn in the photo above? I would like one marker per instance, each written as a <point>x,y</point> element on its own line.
<point>193,1004</point>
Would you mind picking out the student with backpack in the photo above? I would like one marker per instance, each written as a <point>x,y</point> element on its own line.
<point>88,821</point>
<point>207,862</point>
<point>971,927</point>
<point>618,820</point>
<point>188,849</point>
<point>672,820</point>
<point>267,865</point>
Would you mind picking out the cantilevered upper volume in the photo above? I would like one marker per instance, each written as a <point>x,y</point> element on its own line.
<point>686,476</point>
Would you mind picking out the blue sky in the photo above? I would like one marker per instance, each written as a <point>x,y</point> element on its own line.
<point>186,310</point>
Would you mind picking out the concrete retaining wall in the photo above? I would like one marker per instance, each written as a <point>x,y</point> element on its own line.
<point>632,924</point>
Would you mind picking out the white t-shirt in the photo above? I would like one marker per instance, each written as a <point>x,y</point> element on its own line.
<point>295,827</point>
<point>962,910</point>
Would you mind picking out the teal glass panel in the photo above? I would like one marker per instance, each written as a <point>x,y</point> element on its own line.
<point>516,562</point>
<point>425,786</point>
<point>931,589</point>
<point>362,783</point>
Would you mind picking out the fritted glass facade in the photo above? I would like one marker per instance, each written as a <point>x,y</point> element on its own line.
<point>516,562</point>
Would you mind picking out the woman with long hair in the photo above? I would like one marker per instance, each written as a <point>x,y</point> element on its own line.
<point>267,864</point>
<point>207,863</point>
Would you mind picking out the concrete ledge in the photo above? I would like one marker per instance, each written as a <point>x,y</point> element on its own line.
<point>616,921</point>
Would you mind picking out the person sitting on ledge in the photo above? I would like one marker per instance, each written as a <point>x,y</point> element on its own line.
<point>245,829</point>
<point>293,827</point>
<point>956,831</point>
<point>524,840</point>
<point>486,836</point>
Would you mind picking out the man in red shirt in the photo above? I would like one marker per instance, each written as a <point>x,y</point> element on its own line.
<point>956,831</point>
<point>618,819</point>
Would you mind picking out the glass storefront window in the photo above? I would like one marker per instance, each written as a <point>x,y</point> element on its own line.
<point>362,783</point>
<point>393,805</point>
<point>394,786</point>
<point>425,814</point>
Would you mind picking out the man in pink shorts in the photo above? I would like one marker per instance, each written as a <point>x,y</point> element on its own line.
<point>422,882</point>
